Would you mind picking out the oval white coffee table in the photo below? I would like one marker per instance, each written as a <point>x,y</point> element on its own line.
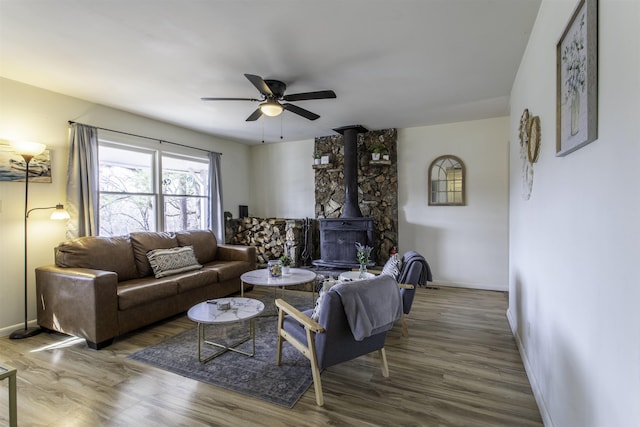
<point>210,312</point>
<point>261,277</point>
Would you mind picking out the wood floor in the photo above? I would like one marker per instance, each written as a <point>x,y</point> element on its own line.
<point>459,367</point>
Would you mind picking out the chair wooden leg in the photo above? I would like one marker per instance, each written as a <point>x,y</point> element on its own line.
<point>385,366</point>
<point>279,342</point>
<point>405,329</point>
<point>315,371</point>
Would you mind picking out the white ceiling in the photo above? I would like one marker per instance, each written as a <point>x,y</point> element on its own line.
<point>392,63</point>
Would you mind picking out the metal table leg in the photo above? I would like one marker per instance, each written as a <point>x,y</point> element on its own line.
<point>13,400</point>
<point>224,348</point>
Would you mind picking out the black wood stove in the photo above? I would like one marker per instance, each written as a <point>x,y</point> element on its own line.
<point>338,236</point>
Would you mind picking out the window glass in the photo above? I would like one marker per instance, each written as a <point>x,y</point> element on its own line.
<point>185,189</point>
<point>125,170</point>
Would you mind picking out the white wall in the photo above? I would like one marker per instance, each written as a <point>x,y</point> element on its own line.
<point>283,183</point>
<point>27,112</point>
<point>464,245</point>
<point>574,283</point>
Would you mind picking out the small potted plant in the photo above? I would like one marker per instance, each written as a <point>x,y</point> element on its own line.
<point>317,157</point>
<point>363,256</point>
<point>286,264</point>
<point>376,151</point>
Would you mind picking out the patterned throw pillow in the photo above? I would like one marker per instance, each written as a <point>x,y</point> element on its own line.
<point>393,266</point>
<point>166,262</point>
<point>326,286</point>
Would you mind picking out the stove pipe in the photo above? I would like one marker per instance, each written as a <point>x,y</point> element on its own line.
<point>351,209</point>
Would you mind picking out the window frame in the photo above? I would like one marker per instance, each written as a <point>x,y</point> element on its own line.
<point>157,152</point>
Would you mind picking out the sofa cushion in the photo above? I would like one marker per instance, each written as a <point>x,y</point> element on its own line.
<point>204,243</point>
<point>143,242</point>
<point>195,279</point>
<point>99,253</point>
<point>228,270</point>
<point>166,262</point>
<point>142,291</point>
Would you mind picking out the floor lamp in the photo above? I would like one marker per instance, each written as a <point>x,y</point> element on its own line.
<point>28,150</point>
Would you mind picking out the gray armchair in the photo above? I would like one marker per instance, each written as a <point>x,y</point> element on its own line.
<point>415,272</point>
<point>353,320</point>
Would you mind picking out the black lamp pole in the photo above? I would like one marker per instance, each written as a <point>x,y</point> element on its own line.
<point>26,332</point>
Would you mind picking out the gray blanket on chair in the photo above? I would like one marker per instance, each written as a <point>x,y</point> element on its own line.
<point>371,306</point>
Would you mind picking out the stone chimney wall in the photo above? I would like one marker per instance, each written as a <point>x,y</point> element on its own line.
<point>377,185</point>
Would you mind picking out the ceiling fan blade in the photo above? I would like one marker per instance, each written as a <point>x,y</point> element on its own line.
<point>255,115</point>
<point>300,111</point>
<point>230,99</point>
<point>259,84</point>
<point>321,94</point>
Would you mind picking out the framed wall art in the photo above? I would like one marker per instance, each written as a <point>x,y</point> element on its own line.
<point>13,166</point>
<point>577,80</point>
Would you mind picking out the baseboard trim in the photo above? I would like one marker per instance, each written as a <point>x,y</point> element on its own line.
<point>5,332</point>
<point>480,286</point>
<point>535,388</point>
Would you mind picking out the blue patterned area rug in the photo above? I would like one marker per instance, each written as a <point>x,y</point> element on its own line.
<point>256,376</point>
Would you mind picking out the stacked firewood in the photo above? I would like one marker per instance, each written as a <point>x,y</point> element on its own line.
<point>272,237</point>
<point>267,235</point>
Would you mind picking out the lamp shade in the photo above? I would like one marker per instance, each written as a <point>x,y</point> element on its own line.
<point>28,148</point>
<point>60,213</point>
<point>271,108</point>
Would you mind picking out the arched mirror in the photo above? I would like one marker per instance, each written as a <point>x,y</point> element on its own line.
<point>446,181</point>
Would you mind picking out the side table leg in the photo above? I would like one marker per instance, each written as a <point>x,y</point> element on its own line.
<point>252,333</point>
<point>226,347</point>
<point>200,338</point>
<point>10,374</point>
<point>13,401</point>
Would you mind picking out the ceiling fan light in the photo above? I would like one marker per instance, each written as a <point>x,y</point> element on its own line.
<point>271,109</point>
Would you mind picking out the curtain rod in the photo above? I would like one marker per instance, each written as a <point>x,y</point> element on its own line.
<point>71,122</point>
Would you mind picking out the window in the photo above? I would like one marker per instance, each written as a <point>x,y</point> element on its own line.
<point>148,189</point>
<point>185,193</point>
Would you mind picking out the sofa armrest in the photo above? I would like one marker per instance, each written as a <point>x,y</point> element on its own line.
<point>78,301</point>
<point>237,253</point>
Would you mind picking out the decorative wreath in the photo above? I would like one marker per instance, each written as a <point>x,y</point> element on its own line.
<point>534,139</point>
<point>524,127</point>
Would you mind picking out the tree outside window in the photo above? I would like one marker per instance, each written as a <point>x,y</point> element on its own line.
<point>146,190</point>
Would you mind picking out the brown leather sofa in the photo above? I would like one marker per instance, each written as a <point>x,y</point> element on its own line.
<point>102,287</point>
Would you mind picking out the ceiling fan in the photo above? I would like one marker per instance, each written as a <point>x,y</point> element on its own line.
<point>272,92</point>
